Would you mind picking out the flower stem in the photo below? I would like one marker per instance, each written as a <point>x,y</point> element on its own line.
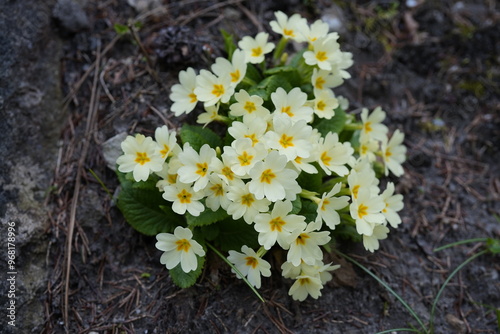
<point>236,271</point>
<point>353,126</point>
<point>280,48</point>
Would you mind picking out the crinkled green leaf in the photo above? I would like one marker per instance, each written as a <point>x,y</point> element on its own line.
<point>146,210</point>
<point>311,182</point>
<point>197,136</point>
<point>296,205</point>
<point>207,232</point>
<point>253,73</point>
<point>185,280</point>
<point>270,84</point>
<point>309,210</point>
<point>297,59</point>
<point>259,92</point>
<point>236,233</point>
<point>347,231</point>
<point>335,124</point>
<point>207,217</point>
<point>280,69</point>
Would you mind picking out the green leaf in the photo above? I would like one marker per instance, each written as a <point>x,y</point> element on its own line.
<point>197,136</point>
<point>120,29</point>
<point>207,232</point>
<point>259,92</point>
<point>346,232</point>
<point>207,217</point>
<point>280,69</point>
<point>185,280</point>
<point>311,182</point>
<point>297,59</point>
<point>145,209</point>
<point>335,124</point>
<point>270,84</point>
<point>296,205</point>
<point>236,233</point>
<point>253,73</point>
<point>493,245</point>
<point>228,43</point>
<point>309,210</point>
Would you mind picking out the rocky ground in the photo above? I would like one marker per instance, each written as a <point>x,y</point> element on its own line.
<point>434,66</point>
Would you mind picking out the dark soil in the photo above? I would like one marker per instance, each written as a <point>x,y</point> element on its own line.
<point>434,68</point>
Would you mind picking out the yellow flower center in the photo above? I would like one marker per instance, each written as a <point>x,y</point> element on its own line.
<point>298,160</point>
<point>368,127</point>
<point>362,211</point>
<point>287,111</point>
<point>256,52</point>
<point>245,159</point>
<point>250,107</point>
<point>247,199</point>
<point>193,98</point>
<point>286,141</point>
<point>141,158</point>
<point>321,56</point>
<point>235,76</point>
<point>253,137</point>
<point>276,224</point>
<point>325,202</point>
<point>251,261</point>
<point>172,178</point>
<point>165,151</point>
<point>202,169</point>
<point>184,196</point>
<point>320,105</point>
<point>289,32</point>
<point>267,176</point>
<point>355,190</point>
<point>227,172</point>
<point>218,90</point>
<point>364,149</point>
<point>320,82</point>
<point>217,189</point>
<point>183,245</point>
<point>387,153</point>
<point>304,281</point>
<point>301,239</point>
<point>325,158</point>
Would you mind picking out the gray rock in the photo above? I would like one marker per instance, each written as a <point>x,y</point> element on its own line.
<point>30,124</point>
<point>71,16</point>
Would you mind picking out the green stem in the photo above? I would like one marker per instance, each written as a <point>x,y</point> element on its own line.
<point>310,195</point>
<point>224,119</point>
<point>457,269</point>
<point>385,285</point>
<point>237,271</point>
<point>280,48</point>
<point>353,126</point>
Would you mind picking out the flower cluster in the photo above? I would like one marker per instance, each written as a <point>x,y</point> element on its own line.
<point>293,165</point>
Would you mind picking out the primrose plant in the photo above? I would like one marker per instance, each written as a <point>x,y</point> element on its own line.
<point>286,168</point>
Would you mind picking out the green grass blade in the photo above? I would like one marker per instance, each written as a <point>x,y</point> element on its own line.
<point>399,330</point>
<point>237,271</point>
<point>101,183</point>
<point>388,288</point>
<point>457,269</point>
<point>453,244</point>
